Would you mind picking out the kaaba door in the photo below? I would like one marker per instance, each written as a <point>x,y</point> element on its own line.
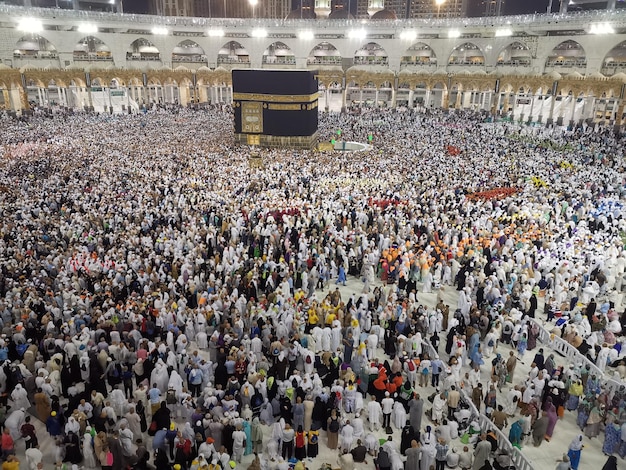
<point>252,117</point>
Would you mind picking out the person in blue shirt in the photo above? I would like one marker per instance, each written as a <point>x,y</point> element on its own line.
<point>54,426</point>
<point>195,379</point>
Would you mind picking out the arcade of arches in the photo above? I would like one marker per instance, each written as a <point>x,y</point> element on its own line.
<point>527,98</point>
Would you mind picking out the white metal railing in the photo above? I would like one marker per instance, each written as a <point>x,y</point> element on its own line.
<point>517,457</point>
<point>519,460</point>
<point>581,18</point>
<point>574,356</point>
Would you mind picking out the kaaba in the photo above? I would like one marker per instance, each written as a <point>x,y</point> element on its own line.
<point>275,108</point>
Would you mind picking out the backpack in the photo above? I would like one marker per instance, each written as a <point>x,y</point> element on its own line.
<point>411,366</point>
<point>490,343</point>
<point>308,360</point>
<point>333,426</point>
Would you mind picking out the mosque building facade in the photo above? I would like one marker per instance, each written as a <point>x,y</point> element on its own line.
<point>541,68</point>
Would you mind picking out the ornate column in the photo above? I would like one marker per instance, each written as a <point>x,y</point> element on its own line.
<point>551,114</point>
<point>7,99</point>
<point>444,99</point>
<point>505,104</point>
<point>532,105</point>
<point>619,113</point>
<point>574,100</point>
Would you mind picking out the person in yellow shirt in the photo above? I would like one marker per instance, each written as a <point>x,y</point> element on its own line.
<point>313,320</point>
<point>299,295</point>
<point>11,463</point>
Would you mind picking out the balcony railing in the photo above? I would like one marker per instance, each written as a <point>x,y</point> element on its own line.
<point>469,62</point>
<point>191,59</point>
<point>230,60</point>
<point>371,60</point>
<point>611,68</point>
<point>271,60</point>
<point>324,61</point>
<point>143,57</point>
<point>92,57</point>
<point>35,55</point>
<point>566,63</point>
<point>514,63</point>
<point>418,61</point>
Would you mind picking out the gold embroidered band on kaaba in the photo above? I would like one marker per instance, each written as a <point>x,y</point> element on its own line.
<point>268,98</point>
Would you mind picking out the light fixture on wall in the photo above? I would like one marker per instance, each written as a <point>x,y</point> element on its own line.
<point>601,28</point>
<point>454,33</point>
<point>408,35</point>
<point>504,32</point>
<point>306,35</point>
<point>87,28</point>
<point>30,25</point>
<point>259,33</point>
<point>216,33</point>
<point>159,31</point>
<point>357,34</point>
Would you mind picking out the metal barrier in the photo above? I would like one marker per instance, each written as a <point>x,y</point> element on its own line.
<point>518,459</point>
<point>573,356</point>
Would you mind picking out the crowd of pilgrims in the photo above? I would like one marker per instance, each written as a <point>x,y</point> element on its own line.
<point>163,304</point>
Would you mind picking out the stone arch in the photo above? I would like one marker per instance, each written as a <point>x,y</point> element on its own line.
<point>615,60</point>
<point>91,48</point>
<point>567,54</point>
<point>515,54</point>
<point>439,85</point>
<point>78,82</point>
<point>116,82</point>
<point>371,53</point>
<point>438,96</point>
<point>467,53</point>
<point>188,51</point>
<point>324,53</point>
<point>233,53</point>
<point>419,54</point>
<point>278,53</point>
<point>36,82</point>
<point>142,49</point>
<point>34,46</point>
<point>135,81</point>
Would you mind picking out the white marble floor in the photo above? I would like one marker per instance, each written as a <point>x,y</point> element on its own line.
<point>543,457</point>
